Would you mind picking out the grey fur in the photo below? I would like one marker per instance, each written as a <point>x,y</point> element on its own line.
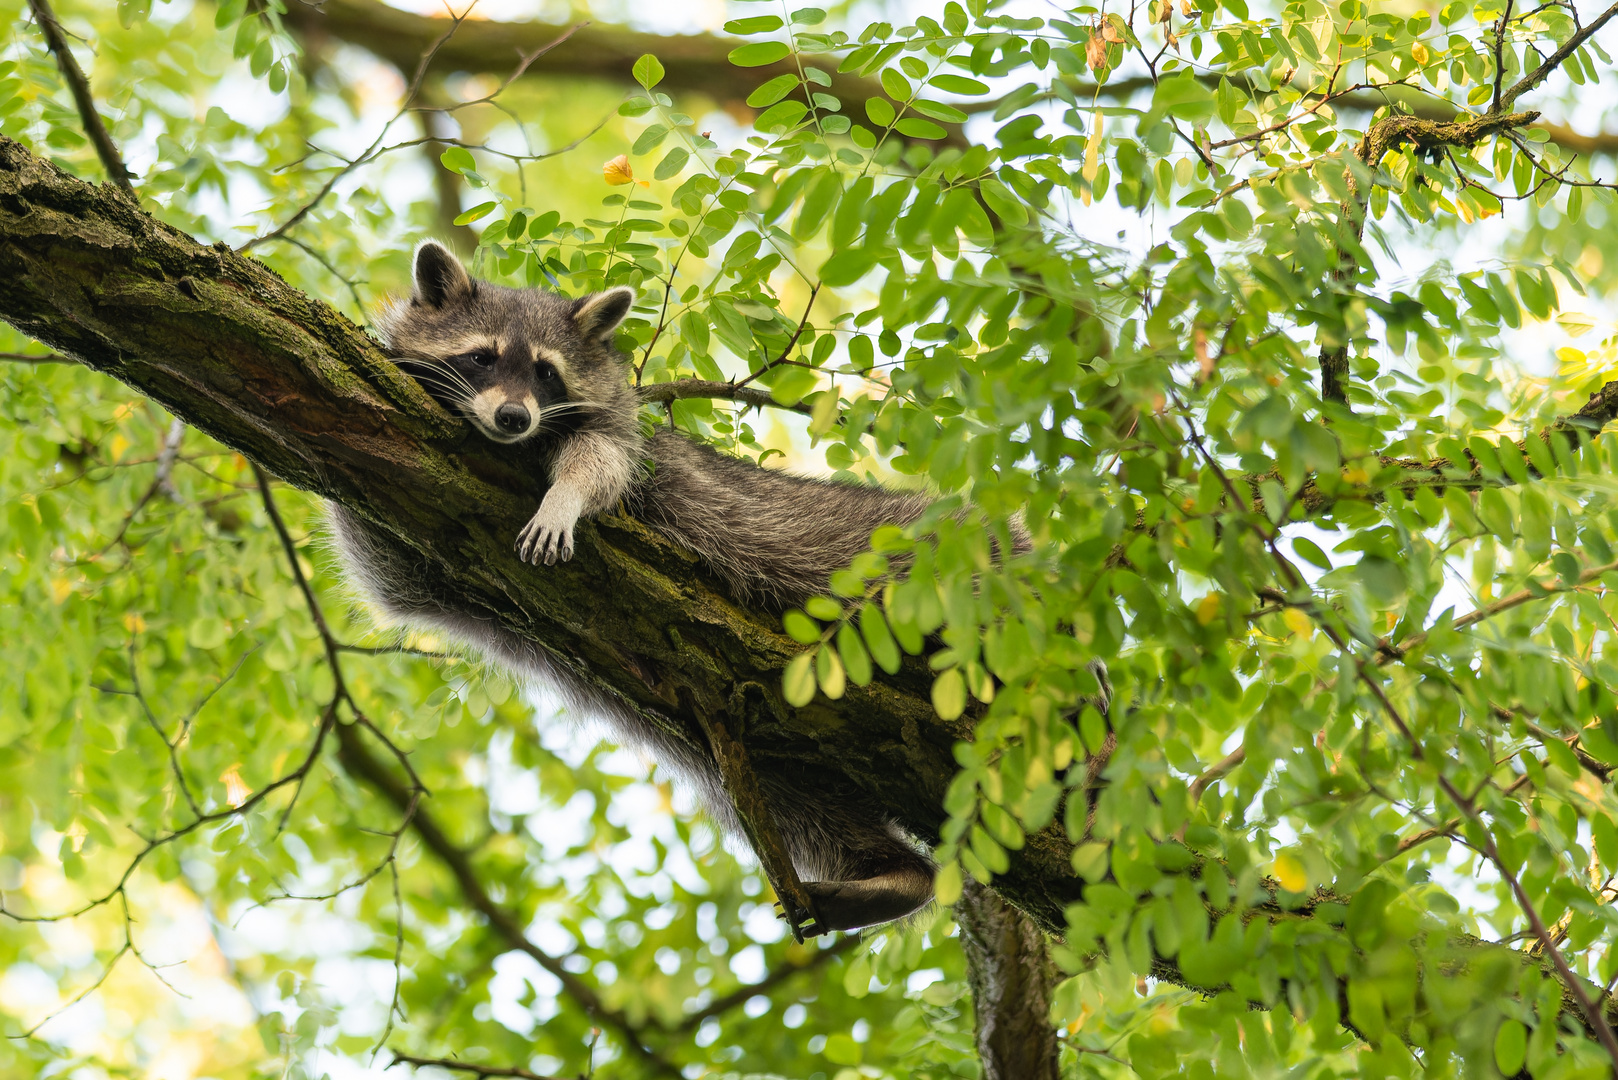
<point>774,538</point>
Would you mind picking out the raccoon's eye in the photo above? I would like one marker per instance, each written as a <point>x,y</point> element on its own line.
<point>544,371</point>
<point>481,357</point>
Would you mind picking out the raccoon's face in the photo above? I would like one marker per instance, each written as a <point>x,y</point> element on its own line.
<point>517,363</point>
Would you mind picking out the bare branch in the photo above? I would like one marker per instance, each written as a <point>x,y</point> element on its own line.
<point>30,358</point>
<point>682,389</point>
<point>467,1067</point>
<point>94,127</point>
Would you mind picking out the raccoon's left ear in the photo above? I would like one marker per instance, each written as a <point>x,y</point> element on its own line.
<point>599,314</point>
<point>440,277</point>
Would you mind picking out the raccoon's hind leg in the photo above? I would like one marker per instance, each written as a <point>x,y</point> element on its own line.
<point>857,869</point>
<point>883,885</point>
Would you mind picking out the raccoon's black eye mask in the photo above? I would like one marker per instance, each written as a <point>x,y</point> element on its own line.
<point>480,357</point>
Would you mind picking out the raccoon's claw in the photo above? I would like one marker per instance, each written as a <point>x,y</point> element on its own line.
<point>545,539</point>
<point>803,924</point>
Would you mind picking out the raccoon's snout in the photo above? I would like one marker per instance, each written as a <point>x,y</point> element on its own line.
<point>511,418</point>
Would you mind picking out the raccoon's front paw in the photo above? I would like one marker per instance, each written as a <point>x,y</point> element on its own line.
<point>548,536</point>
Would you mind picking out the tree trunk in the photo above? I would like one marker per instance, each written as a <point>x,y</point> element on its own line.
<point>1012,978</point>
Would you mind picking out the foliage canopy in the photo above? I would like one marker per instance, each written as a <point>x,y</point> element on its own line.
<point>1230,303</point>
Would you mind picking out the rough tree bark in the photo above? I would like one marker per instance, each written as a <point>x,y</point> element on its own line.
<point>289,382</point>
<point>1012,978</point>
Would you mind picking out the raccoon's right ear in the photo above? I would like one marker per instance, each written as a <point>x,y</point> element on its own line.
<point>599,314</point>
<point>440,277</point>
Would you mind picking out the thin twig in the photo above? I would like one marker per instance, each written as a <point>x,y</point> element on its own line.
<point>107,150</point>
<point>681,389</point>
<point>742,994</point>
<point>30,358</point>
<point>793,340</point>
<point>468,1067</point>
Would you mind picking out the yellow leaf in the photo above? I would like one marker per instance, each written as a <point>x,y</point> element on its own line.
<point>1208,608</point>
<point>1576,323</point>
<point>947,886</point>
<point>617,172</point>
<point>1356,475</point>
<point>134,623</point>
<point>1419,53</point>
<point>118,446</point>
<point>1290,873</point>
<point>949,694</point>
<point>1092,151</point>
<point>1298,622</point>
<point>61,589</point>
<point>236,789</point>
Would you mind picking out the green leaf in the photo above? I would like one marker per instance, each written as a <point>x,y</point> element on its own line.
<point>958,84</point>
<point>649,140</point>
<point>458,159</point>
<point>879,639</point>
<point>1000,825</point>
<point>947,885</point>
<point>1181,95</point>
<point>829,672</point>
<point>481,210</point>
<point>949,694</point>
<point>917,128</point>
<point>791,385</point>
<point>801,627</point>
<point>760,53</point>
<point>846,267</point>
<point>798,681</point>
<point>880,110</point>
<point>781,116</point>
<point>772,91</point>
<point>819,200</point>
<point>896,85</point>
<point>648,71</point>
<point>1310,552</point>
<point>1510,1047</point>
<point>757,24</point>
<point>1000,199</point>
<point>855,659</point>
<point>672,163</point>
<point>543,225</point>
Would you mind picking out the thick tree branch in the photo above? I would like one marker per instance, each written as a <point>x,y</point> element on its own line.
<point>1012,977</point>
<point>692,63</point>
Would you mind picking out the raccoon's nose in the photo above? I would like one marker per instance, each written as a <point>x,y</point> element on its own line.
<point>511,418</point>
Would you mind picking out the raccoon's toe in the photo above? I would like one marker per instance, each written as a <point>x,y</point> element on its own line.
<point>542,541</point>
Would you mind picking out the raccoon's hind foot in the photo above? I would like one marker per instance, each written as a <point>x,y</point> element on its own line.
<point>899,890</point>
<point>548,536</point>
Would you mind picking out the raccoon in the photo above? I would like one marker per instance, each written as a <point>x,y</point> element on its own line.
<point>528,365</point>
